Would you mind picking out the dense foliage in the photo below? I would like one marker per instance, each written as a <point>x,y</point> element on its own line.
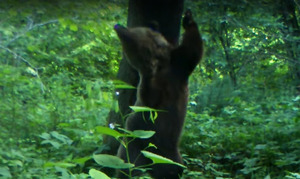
<point>58,62</point>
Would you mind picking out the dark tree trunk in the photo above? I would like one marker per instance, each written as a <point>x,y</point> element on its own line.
<point>167,13</point>
<point>224,39</point>
<point>287,9</point>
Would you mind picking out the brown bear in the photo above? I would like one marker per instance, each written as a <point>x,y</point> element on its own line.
<point>164,71</point>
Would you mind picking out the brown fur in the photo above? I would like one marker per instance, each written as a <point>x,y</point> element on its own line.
<point>164,72</point>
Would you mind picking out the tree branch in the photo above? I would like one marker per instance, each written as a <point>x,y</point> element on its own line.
<point>31,27</point>
<point>17,56</point>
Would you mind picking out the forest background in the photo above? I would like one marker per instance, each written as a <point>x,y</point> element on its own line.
<point>58,65</point>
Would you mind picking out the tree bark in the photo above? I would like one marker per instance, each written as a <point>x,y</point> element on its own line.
<point>287,9</point>
<point>167,14</point>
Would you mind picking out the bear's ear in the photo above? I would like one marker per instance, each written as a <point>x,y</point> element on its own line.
<point>124,34</point>
<point>153,25</point>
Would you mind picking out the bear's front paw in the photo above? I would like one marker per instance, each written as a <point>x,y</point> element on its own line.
<point>187,19</point>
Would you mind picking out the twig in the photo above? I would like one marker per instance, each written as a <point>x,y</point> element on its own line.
<point>18,56</point>
<point>297,4</point>
<point>27,63</point>
<point>31,27</point>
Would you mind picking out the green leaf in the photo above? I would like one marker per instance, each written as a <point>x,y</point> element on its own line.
<point>52,142</point>
<point>297,98</point>
<point>31,48</point>
<point>97,174</point>
<point>45,135</point>
<point>63,22</point>
<point>267,177</point>
<point>61,137</point>
<point>138,133</point>
<point>31,71</point>
<point>294,175</point>
<point>156,159</point>
<point>147,109</point>
<point>59,164</point>
<point>109,131</point>
<point>144,109</point>
<point>73,27</point>
<point>111,161</point>
<point>142,134</point>
<point>122,85</point>
<point>16,163</point>
<point>151,145</point>
<point>81,160</point>
<point>4,172</point>
<point>153,117</point>
<point>260,147</point>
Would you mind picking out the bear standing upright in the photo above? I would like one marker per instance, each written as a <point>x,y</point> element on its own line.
<point>164,71</point>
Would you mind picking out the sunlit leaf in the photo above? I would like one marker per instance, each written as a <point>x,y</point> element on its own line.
<point>73,27</point>
<point>81,160</point>
<point>157,159</point>
<point>59,164</point>
<point>122,85</point>
<point>144,109</point>
<point>152,145</point>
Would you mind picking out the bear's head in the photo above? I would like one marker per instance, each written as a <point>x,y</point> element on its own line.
<point>146,50</point>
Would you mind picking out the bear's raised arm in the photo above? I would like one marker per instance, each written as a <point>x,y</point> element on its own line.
<point>189,53</point>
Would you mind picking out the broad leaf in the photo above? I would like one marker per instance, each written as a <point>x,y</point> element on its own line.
<point>109,131</point>
<point>4,172</point>
<point>45,135</point>
<point>97,174</point>
<point>142,134</point>
<point>52,142</point>
<point>111,161</point>
<point>157,159</point>
<point>81,160</point>
<point>61,137</point>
